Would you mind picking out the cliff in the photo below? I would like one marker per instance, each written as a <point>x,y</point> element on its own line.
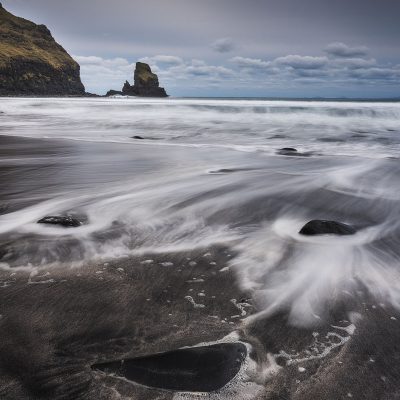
<point>145,84</point>
<point>32,62</point>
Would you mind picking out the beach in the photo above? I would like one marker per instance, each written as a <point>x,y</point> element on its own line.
<point>189,214</point>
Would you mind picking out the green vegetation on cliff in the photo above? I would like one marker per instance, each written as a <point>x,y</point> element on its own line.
<point>32,62</point>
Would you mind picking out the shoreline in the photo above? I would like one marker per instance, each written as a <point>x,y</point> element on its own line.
<point>273,98</point>
<point>138,306</point>
<point>59,320</point>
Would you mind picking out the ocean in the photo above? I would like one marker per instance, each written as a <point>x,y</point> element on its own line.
<point>190,214</point>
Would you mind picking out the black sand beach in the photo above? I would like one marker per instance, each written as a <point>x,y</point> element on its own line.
<point>174,257</point>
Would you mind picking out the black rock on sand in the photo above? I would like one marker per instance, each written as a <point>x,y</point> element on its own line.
<point>286,150</point>
<point>196,369</point>
<point>323,227</point>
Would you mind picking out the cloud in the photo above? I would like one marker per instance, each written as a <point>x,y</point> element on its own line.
<point>173,67</point>
<point>292,61</point>
<point>101,74</point>
<point>93,60</point>
<point>223,45</point>
<point>319,71</point>
<point>312,73</point>
<point>301,62</point>
<point>208,70</point>
<point>197,72</point>
<point>162,59</point>
<point>245,62</point>
<point>376,73</point>
<point>353,63</point>
<point>338,49</point>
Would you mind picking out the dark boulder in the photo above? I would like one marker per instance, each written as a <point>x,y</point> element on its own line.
<point>195,369</point>
<point>322,227</point>
<point>137,137</point>
<point>287,151</point>
<point>65,221</point>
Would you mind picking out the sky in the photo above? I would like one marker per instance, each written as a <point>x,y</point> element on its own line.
<point>234,48</point>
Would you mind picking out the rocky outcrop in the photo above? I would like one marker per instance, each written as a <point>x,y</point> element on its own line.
<point>32,63</point>
<point>145,84</point>
<point>65,221</point>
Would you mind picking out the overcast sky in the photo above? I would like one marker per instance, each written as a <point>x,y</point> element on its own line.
<point>297,48</point>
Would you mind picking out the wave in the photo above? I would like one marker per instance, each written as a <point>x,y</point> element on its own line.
<point>227,187</point>
<point>348,128</point>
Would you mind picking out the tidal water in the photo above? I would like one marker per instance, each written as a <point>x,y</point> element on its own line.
<point>208,173</point>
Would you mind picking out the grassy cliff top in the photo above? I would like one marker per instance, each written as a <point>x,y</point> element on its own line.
<point>21,39</point>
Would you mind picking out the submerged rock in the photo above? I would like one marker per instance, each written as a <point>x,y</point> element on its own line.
<point>223,171</point>
<point>330,140</point>
<point>146,83</point>
<point>32,62</point>
<point>291,151</point>
<point>287,151</point>
<point>195,369</point>
<point>323,227</point>
<point>65,221</point>
<point>138,137</point>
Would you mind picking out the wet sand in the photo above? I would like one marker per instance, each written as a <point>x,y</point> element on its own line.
<point>57,324</point>
<point>59,321</point>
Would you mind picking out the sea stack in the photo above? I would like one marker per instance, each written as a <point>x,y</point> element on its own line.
<point>145,84</point>
<point>32,63</point>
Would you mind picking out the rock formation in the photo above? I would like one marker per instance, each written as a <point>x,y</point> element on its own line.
<point>32,62</point>
<point>145,84</point>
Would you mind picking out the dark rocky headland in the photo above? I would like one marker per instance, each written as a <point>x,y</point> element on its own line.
<point>145,84</point>
<point>32,63</point>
